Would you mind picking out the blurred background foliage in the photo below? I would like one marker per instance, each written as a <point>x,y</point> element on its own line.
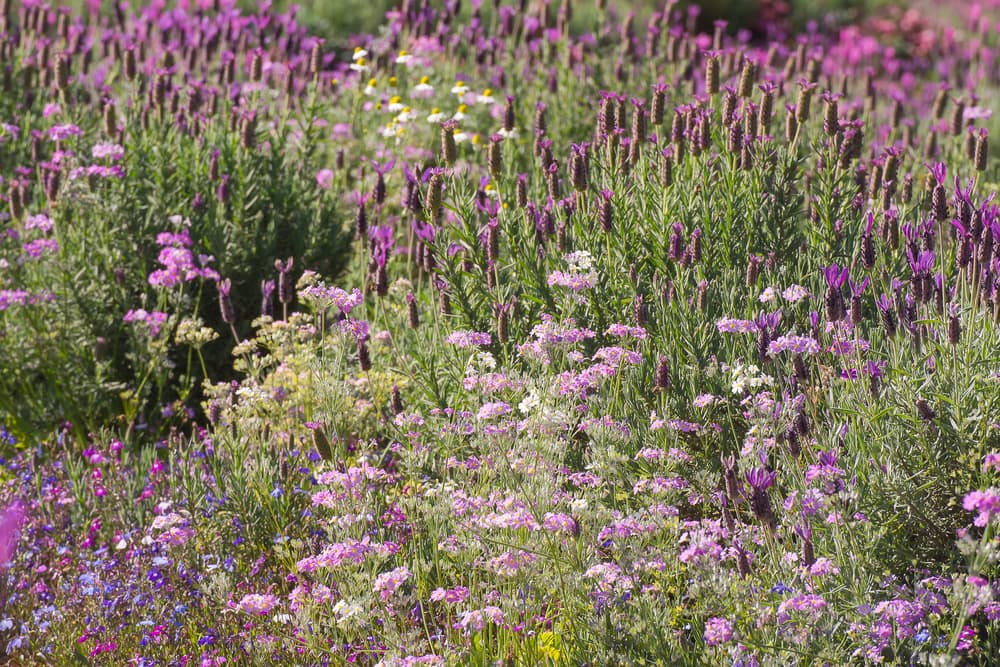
<point>339,20</point>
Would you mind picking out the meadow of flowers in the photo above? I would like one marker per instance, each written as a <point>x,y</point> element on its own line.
<point>502,336</point>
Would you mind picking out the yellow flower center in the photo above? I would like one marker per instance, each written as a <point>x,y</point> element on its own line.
<point>425,80</point>
<point>487,93</point>
<point>371,83</point>
<point>392,81</point>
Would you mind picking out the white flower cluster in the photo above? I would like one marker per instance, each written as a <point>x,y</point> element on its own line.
<point>748,377</point>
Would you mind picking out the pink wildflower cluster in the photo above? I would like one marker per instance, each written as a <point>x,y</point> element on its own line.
<point>153,321</point>
<point>387,583</point>
<point>257,604</point>
<point>465,339</point>
<point>177,261</point>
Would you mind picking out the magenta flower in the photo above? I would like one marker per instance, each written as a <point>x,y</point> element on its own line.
<point>324,179</point>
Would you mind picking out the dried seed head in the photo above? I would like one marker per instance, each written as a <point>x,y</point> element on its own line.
<point>813,70</point>
<point>982,150</point>
<point>954,330</point>
<point>267,298</point>
<point>449,150</point>
<point>508,115</point>
<point>361,221</point>
<point>735,137</point>
<point>834,301</point>
<point>316,58</point>
<point>248,132</point>
<point>957,116</point>
<point>803,103</point>
<point>413,318</point>
<point>712,75</point>
<point>754,264</point>
<point>395,400</point>
<point>62,72</point>
<point>745,87</point>
<point>130,67</point>
<point>766,110</point>
<point>434,193</point>
<point>925,411</point>
<point>656,105</point>
<point>503,323</point>
<point>666,171</point>
<point>794,444</point>
<point>791,126</point>
<point>641,311</point>
<point>662,381</point>
<point>695,245</point>
<point>728,108</point>
<point>225,302</point>
<point>521,191</point>
<point>16,200</point>
<point>605,211</point>
<point>939,203</point>
<point>257,67</point>
<point>867,252</point>
<point>930,144</point>
<point>831,122</point>
<point>907,193</point>
<point>364,358</point>
<point>286,287</point>
<point>494,158</point>
<point>322,443</point>
<point>540,123</point>
<point>381,280</point>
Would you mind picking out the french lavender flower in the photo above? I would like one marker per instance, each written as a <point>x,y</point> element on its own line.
<point>760,503</point>
<point>834,300</point>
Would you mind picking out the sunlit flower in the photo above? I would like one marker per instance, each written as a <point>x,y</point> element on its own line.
<point>486,97</point>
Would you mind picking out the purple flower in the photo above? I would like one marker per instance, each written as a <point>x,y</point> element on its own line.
<point>835,277</point>
<point>717,631</point>
<point>324,179</point>
<point>760,479</point>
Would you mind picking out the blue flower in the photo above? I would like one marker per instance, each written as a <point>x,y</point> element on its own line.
<point>922,636</point>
